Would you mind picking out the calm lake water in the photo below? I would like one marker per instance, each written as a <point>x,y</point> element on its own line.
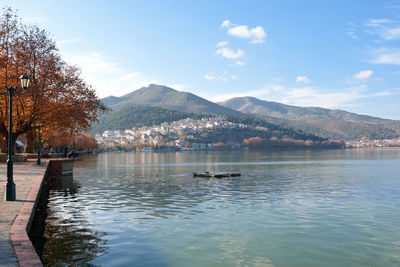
<point>290,208</point>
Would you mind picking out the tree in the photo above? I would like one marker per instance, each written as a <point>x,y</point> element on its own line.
<point>58,139</point>
<point>57,94</point>
<point>86,141</point>
<point>254,142</point>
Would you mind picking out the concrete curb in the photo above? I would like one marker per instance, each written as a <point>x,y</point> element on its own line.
<point>24,250</point>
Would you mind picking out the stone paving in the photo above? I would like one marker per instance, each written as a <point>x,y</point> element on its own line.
<point>25,174</point>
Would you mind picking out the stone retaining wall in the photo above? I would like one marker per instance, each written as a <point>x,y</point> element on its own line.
<point>24,250</point>
<point>16,158</point>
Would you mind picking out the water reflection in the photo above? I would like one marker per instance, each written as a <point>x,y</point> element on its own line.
<point>154,185</point>
<point>70,240</point>
<point>335,207</point>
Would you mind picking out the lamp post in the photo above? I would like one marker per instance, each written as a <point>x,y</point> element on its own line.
<point>74,143</point>
<point>10,185</point>
<point>39,140</point>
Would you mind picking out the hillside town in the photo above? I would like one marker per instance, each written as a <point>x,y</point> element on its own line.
<point>364,143</point>
<point>177,135</point>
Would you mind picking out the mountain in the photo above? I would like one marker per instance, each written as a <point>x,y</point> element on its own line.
<point>163,96</point>
<point>327,123</point>
<point>288,112</point>
<point>138,116</point>
<point>112,100</point>
<point>333,124</point>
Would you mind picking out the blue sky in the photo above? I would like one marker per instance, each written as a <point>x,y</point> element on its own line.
<point>333,54</point>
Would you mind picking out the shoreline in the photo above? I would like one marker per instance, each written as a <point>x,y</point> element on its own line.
<point>17,248</point>
<point>23,247</point>
<point>229,149</point>
<point>250,149</point>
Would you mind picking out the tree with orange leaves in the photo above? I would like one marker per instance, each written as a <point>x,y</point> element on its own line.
<point>81,141</point>
<point>57,94</point>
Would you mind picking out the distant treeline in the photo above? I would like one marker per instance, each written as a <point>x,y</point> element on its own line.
<point>239,135</point>
<point>274,142</point>
<point>275,130</point>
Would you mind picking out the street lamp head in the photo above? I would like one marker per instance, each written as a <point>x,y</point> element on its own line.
<point>24,80</point>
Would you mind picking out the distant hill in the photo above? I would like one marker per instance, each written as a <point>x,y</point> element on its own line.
<point>333,124</point>
<point>138,116</point>
<point>112,100</point>
<point>163,96</point>
<point>327,123</point>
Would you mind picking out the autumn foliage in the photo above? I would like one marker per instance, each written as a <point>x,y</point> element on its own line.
<point>274,142</point>
<point>57,93</point>
<point>81,141</point>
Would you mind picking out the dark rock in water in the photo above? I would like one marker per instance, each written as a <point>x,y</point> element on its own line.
<point>216,174</point>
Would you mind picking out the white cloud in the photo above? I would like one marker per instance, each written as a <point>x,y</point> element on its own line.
<point>240,31</point>
<point>226,24</point>
<point>130,76</point>
<point>391,33</point>
<point>107,76</point>
<point>352,34</point>
<point>209,77</point>
<point>229,53</point>
<point>224,43</point>
<point>384,93</point>
<point>378,22</point>
<point>351,30</point>
<point>257,34</point>
<point>302,79</point>
<point>240,63</point>
<point>363,75</point>
<point>306,96</point>
<point>386,56</point>
<point>387,29</point>
<point>223,77</point>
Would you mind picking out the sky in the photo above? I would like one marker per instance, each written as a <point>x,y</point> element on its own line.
<point>332,54</point>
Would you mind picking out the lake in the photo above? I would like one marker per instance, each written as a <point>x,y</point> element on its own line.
<point>289,208</point>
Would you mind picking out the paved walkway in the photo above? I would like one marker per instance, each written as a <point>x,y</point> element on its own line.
<point>25,174</point>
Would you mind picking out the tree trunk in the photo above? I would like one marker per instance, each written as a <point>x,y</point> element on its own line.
<point>3,145</point>
<point>13,145</point>
<point>30,141</point>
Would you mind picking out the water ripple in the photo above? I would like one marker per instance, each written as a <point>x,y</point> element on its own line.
<point>336,208</point>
